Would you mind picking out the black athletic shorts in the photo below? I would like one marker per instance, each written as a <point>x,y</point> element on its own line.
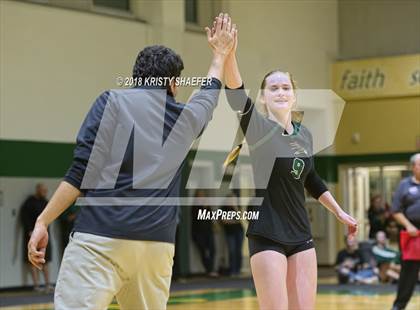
<point>258,244</point>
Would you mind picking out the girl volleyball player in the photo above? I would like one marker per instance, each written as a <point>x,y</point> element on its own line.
<point>282,254</point>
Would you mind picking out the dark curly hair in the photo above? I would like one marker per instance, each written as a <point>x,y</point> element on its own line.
<point>157,61</point>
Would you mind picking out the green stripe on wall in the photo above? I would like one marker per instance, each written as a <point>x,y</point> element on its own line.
<point>43,159</point>
<point>47,159</point>
<point>34,159</point>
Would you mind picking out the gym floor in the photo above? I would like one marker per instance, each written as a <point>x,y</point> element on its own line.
<point>227,293</point>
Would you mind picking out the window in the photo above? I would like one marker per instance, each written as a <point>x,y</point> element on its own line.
<point>109,7</point>
<point>122,5</point>
<point>200,13</point>
<point>191,11</point>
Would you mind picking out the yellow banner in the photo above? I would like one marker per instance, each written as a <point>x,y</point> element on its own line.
<point>377,77</point>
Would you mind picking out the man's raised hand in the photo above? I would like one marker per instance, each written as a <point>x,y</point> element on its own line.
<point>221,37</point>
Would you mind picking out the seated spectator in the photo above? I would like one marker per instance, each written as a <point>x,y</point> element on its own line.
<point>387,259</point>
<point>392,231</point>
<point>351,267</point>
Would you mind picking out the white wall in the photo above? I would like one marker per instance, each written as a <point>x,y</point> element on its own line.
<point>378,28</point>
<point>298,36</point>
<point>54,62</point>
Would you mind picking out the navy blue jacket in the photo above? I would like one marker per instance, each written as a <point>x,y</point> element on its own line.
<point>121,155</point>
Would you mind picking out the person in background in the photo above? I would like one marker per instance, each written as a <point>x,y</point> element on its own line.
<point>406,210</point>
<point>392,230</point>
<point>202,235</point>
<point>377,216</point>
<point>351,267</point>
<point>234,235</point>
<point>29,212</point>
<point>67,220</point>
<point>347,262</point>
<point>387,259</point>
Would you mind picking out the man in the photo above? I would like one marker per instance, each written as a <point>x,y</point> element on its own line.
<point>406,210</point>
<point>30,210</point>
<point>126,249</point>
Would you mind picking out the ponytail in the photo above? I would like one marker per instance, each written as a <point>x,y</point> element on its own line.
<point>233,155</point>
<point>297,117</point>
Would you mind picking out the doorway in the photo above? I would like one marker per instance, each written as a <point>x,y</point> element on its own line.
<point>364,181</point>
